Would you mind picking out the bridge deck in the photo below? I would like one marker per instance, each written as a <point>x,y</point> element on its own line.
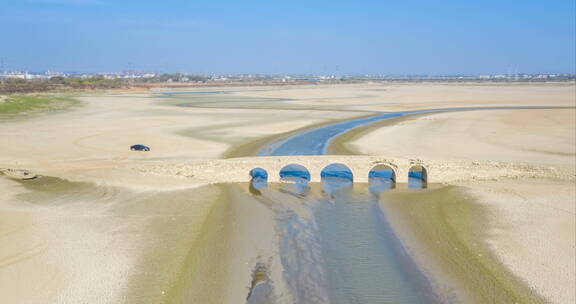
<point>438,171</point>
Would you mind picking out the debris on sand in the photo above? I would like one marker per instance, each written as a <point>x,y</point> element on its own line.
<point>18,174</point>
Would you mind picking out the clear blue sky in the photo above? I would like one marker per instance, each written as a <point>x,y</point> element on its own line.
<point>292,36</point>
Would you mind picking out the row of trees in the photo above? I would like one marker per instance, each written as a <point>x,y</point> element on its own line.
<point>8,86</point>
<point>87,83</point>
<point>11,86</point>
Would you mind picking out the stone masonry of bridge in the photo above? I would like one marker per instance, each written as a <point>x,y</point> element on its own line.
<point>438,171</point>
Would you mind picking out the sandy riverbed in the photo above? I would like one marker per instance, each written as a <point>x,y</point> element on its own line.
<point>63,244</point>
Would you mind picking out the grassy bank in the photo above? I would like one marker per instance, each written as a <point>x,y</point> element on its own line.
<point>16,105</point>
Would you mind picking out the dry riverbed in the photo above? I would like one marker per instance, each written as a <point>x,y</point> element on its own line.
<point>108,234</point>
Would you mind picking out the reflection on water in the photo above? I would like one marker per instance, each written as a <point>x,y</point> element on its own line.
<point>261,289</point>
<point>416,183</point>
<point>259,180</point>
<point>257,184</point>
<point>332,185</point>
<point>296,186</point>
<point>381,184</point>
<point>381,178</point>
<point>295,179</point>
<point>417,178</point>
<point>294,172</point>
<point>336,177</point>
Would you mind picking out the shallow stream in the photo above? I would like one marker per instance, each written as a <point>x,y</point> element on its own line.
<point>340,249</point>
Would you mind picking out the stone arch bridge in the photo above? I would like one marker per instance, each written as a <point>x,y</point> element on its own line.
<point>238,169</point>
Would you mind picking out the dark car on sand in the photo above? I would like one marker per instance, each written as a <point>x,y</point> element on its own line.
<point>139,148</point>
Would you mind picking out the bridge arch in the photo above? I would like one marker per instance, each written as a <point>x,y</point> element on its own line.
<point>381,177</point>
<point>336,177</point>
<point>258,180</point>
<point>294,172</point>
<point>258,173</point>
<point>337,170</point>
<point>417,177</point>
<point>382,171</point>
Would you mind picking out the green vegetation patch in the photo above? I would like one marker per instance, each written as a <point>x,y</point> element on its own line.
<point>87,83</point>
<point>16,105</point>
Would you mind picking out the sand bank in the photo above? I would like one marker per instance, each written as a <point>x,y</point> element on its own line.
<point>533,233</point>
<point>545,137</point>
<point>504,242</point>
<point>65,242</point>
<point>410,96</point>
<point>106,126</point>
<point>68,242</point>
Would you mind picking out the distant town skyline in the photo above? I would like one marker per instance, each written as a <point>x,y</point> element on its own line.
<point>297,37</point>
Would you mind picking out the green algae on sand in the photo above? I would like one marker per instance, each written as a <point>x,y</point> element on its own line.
<point>16,105</point>
<point>446,231</point>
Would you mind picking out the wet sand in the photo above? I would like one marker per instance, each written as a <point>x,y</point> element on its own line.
<point>446,231</point>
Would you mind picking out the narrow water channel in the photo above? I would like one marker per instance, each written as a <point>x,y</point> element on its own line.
<point>317,141</point>
<point>365,262</point>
